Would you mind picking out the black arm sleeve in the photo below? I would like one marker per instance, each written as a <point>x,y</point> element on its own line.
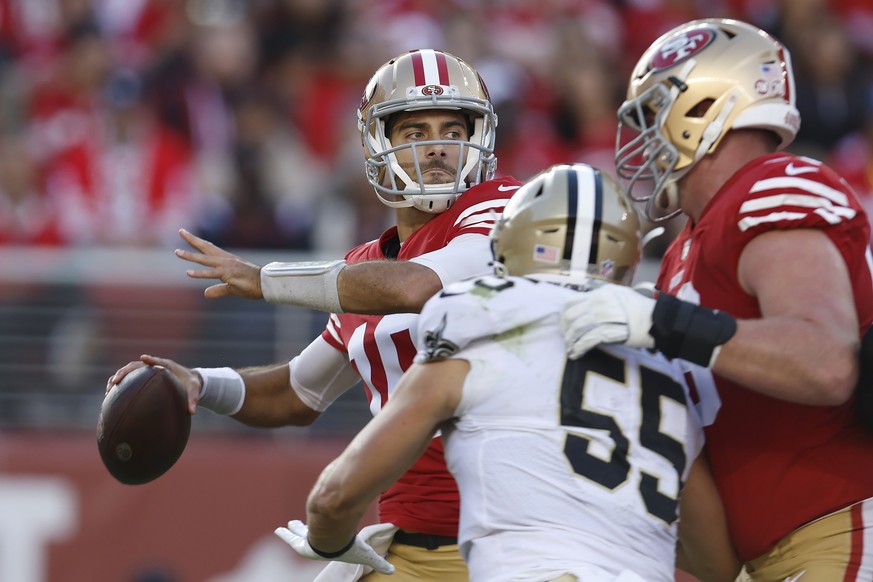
<point>687,331</point>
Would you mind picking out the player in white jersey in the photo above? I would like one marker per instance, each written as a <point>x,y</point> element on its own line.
<point>563,466</point>
<point>567,469</point>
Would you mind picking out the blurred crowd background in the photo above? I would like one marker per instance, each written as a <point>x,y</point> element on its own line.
<point>123,120</point>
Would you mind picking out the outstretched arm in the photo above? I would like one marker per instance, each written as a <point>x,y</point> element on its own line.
<point>803,348</point>
<point>426,396</point>
<point>373,287</point>
<point>269,399</point>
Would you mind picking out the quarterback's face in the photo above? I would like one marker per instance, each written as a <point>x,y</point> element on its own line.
<point>438,162</point>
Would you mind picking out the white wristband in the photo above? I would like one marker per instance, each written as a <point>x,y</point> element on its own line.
<point>223,392</point>
<point>309,284</point>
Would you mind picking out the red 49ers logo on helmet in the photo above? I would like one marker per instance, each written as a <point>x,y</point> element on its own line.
<point>432,90</point>
<point>680,48</point>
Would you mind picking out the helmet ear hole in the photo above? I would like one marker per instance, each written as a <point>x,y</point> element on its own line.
<point>700,108</point>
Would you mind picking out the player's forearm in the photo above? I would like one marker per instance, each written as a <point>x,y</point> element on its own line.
<point>792,360</point>
<point>332,533</point>
<point>270,400</point>
<point>369,288</point>
<point>335,507</point>
<point>378,455</point>
<point>382,287</point>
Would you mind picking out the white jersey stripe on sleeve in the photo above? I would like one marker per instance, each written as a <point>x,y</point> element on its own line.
<point>750,221</point>
<point>478,220</point>
<point>496,205</point>
<point>810,186</point>
<point>803,200</point>
<point>332,324</point>
<point>869,256</point>
<point>835,214</point>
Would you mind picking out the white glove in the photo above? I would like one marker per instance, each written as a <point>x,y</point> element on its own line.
<point>296,536</point>
<point>607,314</point>
<point>379,536</point>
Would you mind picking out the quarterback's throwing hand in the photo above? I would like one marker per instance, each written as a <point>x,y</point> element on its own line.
<point>611,314</point>
<point>360,552</point>
<point>238,277</point>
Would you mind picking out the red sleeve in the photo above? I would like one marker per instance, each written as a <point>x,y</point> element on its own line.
<point>794,192</point>
<point>331,334</point>
<point>476,209</point>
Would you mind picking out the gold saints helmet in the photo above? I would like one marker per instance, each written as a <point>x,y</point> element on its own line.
<point>569,220</point>
<point>693,85</point>
<point>426,79</point>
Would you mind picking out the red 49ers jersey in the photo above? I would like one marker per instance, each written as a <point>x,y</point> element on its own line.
<point>777,464</point>
<point>381,348</point>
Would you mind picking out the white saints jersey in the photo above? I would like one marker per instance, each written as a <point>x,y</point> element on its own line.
<point>563,466</point>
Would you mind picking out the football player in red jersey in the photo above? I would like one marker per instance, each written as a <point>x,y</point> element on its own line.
<point>427,126</point>
<point>769,284</point>
<point>520,421</point>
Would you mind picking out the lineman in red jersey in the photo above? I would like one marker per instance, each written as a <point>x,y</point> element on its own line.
<point>427,126</point>
<point>769,284</point>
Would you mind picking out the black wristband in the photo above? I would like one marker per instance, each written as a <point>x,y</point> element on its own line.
<point>332,555</point>
<point>687,331</point>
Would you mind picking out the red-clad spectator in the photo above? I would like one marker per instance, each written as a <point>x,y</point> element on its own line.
<point>129,182</point>
<point>27,217</point>
<point>646,20</point>
<point>299,57</point>
<point>858,16</point>
<point>62,100</point>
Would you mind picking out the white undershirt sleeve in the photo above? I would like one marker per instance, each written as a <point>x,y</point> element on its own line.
<point>321,374</point>
<point>468,255</point>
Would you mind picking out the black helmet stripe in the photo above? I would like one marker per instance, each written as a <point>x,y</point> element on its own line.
<point>584,216</point>
<point>598,218</point>
<point>572,211</point>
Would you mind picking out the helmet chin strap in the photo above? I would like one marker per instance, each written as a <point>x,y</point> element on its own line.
<point>714,130</point>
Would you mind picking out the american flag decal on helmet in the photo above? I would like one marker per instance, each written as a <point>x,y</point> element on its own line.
<point>546,254</point>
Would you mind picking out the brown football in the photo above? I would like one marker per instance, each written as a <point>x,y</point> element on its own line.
<point>143,425</point>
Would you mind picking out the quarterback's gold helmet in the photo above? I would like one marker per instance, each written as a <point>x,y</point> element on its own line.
<point>426,79</point>
<point>569,220</point>
<point>693,85</point>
